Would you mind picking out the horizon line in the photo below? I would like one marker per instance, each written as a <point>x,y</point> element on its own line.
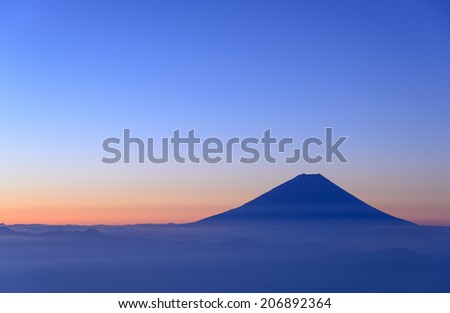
<point>417,222</point>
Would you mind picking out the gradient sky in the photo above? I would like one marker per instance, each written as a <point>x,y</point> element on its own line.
<point>73,73</point>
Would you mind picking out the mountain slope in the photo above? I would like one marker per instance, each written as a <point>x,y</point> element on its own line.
<point>306,198</point>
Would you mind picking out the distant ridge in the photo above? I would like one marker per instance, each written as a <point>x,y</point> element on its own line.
<point>306,198</point>
<point>6,230</point>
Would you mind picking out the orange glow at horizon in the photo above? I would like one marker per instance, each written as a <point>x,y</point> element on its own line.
<point>134,197</point>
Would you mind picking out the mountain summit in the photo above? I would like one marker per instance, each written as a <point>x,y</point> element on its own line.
<point>306,198</point>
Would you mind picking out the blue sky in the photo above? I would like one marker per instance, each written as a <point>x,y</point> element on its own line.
<point>73,73</point>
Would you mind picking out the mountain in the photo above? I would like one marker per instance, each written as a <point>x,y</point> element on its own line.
<point>4,231</point>
<point>306,198</point>
<point>87,234</point>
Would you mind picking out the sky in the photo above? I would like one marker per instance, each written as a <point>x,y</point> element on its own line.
<point>73,73</point>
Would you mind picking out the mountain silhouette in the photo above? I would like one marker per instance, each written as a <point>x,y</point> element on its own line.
<point>306,198</point>
<point>4,231</point>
